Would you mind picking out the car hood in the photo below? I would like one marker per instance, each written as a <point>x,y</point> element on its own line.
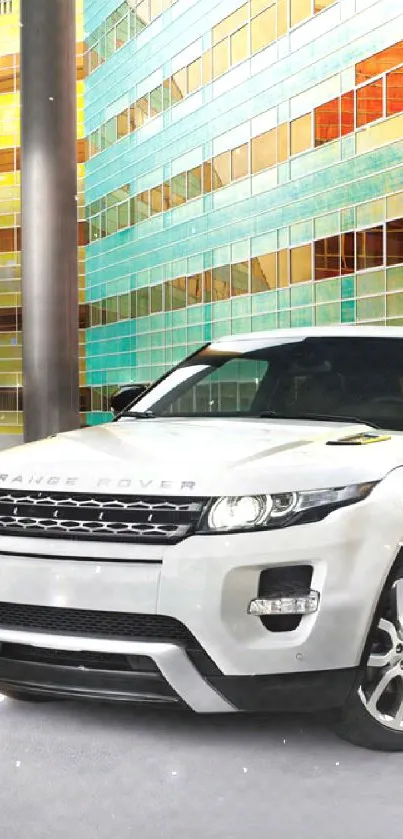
<point>199,457</point>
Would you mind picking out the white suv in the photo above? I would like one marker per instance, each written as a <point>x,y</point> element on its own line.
<point>231,541</point>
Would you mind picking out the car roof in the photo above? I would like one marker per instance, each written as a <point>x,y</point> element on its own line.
<point>316,332</point>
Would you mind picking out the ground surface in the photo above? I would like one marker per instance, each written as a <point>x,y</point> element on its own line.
<point>71,770</point>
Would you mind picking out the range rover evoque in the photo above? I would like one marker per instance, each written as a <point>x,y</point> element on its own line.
<point>232,541</point>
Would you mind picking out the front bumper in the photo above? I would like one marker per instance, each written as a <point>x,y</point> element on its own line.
<point>205,583</point>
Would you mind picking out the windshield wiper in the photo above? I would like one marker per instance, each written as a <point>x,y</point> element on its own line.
<point>137,414</point>
<point>318,417</point>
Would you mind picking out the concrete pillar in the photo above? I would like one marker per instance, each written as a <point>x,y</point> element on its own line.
<point>49,217</point>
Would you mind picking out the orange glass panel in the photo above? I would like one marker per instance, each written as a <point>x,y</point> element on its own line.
<point>179,85</point>
<point>283,269</point>
<point>319,5</point>
<point>369,103</point>
<point>194,289</point>
<point>347,253</point>
<point>369,247</point>
<point>264,272</point>
<point>347,113</point>
<point>394,92</point>
<point>327,122</point>
<point>221,170</point>
<point>301,134</point>
<point>379,63</point>
<point>264,151</point>
<point>327,258</point>
<point>207,286</point>
<point>221,282</point>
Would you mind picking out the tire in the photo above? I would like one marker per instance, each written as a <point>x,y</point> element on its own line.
<point>373,715</point>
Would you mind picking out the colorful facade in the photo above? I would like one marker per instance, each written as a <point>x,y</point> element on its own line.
<point>11,390</point>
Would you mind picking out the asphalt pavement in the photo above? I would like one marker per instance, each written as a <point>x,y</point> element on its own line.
<point>95,771</point>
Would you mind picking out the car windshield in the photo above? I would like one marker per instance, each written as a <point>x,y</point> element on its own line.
<point>320,377</point>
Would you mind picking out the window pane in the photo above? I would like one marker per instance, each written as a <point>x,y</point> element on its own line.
<point>143,302</point>
<point>240,162</point>
<point>264,151</point>
<point>394,92</point>
<point>141,207</point>
<point>207,176</point>
<point>179,85</point>
<point>299,10</point>
<point>319,5</point>
<point>301,134</point>
<point>220,59</point>
<point>283,271</point>
<point>369,244</point>
<point>327,122</point>
<point>240,45</point>
<point>123,215</point>
<point>156,200</point>
<point>122,124</point>
<point>156,298</point>
<point>221,282</point>
<point>111,221</point>
<point>178,189</point>
<point>179,293</point>
<point>194,182</point>
<point>232,22</point>
<point>347,113</point>
<point>166,196</point>
<point>156,101</point>
<point>379,63</point>
<point>347,253</point>
<point>258,6</point>
<point>195,289</point>
<point>240,279</point>
<point>109,133</point>
<point>207,67</point>
<point>111,310</point>
<point>282,17</point>
<point>155,8</point>
<point>207,286</point>
<point>264,29</point>
<point>394,241</point>
<point>283,151</point>
<point>143,12</point>
<point>301,264</point>
<point>122,32</point>
<point>263,272</point>
<point>124,306</point>
<point>369,102</point>
<point>194,75</point>
<point>327,258</point>
<point>222,170</point>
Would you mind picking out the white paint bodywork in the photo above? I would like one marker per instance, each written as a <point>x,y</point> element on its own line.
<point>207,581</point>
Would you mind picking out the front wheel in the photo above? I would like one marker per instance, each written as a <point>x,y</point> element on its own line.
<point>373,715</point>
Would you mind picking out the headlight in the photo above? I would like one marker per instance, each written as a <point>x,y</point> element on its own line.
<point>249,512</point>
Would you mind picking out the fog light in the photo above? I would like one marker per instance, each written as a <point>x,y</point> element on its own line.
<point>305,604</point>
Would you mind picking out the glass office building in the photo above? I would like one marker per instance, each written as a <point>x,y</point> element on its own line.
<point>244,172</point>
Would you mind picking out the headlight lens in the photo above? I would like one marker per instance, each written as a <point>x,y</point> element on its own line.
<point>247,512</point>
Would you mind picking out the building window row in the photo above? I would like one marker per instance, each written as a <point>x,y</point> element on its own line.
<point>334,256</point>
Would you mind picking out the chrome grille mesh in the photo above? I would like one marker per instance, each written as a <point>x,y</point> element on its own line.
<point>83,516</point>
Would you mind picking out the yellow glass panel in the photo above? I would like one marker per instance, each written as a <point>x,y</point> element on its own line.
<point>240,162</point>
<point>370,212</point>
<point>264,29</point>
<point>240,45</point>
<point>230,23</point>
<point>222,170</point>
<point>378,135</point>
<point>319,5</point>
<point>207,62</point>
<point>300,10</point>
<point>283,274</point>
<point>179,85</point>
<point>282,18</point>
<point>194,75</point>
<point>220,59</point>
<point>394,205</point>
<point>301,134</point>
<point>264,272</point>
<point>258,6</point>
<point>301,264</point>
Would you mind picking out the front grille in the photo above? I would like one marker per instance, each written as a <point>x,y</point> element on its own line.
<point>160,520</point>
<point>84,659</point>
<point>94,624</point>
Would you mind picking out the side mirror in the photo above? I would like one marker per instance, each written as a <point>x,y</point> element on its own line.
<point>125,396</point>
